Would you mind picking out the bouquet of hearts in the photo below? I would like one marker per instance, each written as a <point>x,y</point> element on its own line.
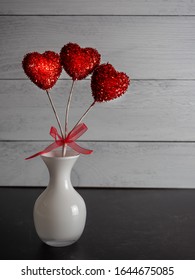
<point>106,84</point>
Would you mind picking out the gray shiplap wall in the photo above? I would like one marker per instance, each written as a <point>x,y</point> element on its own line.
<point>144,139</point>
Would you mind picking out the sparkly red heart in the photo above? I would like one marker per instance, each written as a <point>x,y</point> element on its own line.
<point>42,69</point>
<point>79,62</point>
<point>107,83</point>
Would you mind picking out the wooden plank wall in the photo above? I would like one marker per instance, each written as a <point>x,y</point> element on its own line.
<point>144,139</point>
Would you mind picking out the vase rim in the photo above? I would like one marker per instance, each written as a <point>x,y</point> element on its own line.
<point>57,154</point>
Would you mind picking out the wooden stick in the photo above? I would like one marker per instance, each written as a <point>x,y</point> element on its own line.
<point>66,117</point>
<point>55,113</point>
<point>86,112</point>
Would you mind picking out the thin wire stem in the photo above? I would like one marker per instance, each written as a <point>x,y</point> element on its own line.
<point>55,113</point>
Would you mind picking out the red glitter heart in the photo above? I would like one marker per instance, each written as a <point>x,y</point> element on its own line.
<point>42,69</point>
<point>107,83</point>
<point>79,62</point>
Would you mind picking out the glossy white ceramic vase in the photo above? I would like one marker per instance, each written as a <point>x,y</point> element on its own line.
<point>60,211</point>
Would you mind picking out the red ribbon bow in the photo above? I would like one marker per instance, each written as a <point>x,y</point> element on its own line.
<point>69,140</point>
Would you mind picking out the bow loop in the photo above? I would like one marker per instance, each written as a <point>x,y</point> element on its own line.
<point>77,132</point>
<point>54,133</point>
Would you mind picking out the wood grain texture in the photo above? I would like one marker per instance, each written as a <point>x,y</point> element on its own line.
<point>153,41</point>
<point>94,7</point>
<point>150,110</point>
<point>143,47</point>
<point>151,165</point>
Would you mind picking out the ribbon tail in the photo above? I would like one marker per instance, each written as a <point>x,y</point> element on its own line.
<point>46,150</point>
<point>79,149</point>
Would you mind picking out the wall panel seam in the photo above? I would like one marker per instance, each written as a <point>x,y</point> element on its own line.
<point>105,141</point>
<point>90,15</point>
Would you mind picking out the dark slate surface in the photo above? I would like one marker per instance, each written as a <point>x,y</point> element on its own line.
<point>121,224</point>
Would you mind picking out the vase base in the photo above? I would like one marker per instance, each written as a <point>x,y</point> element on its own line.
<point>58,243</point>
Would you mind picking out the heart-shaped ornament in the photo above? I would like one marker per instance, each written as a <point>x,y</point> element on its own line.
<point>79,62</point>
<point>42,69</point>
<point>107,83</point>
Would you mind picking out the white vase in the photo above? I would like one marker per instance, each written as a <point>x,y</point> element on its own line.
<point>59,212</point>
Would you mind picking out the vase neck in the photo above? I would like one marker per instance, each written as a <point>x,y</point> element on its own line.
<point>60,170</point>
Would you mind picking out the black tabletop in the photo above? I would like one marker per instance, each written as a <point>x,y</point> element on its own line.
<point>121,224</point>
